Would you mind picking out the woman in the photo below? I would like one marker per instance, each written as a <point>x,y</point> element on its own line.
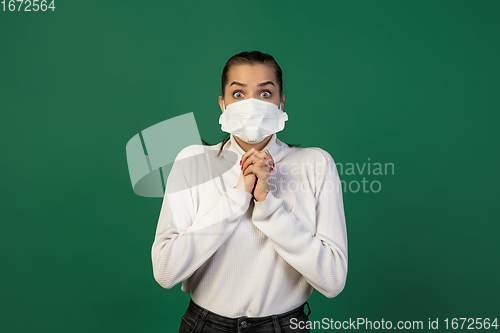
<point>252,230</point>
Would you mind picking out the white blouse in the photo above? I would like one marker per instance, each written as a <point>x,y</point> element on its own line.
<point>240,257</point>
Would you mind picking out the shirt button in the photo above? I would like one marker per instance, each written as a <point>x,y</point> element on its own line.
<point>244,324</point>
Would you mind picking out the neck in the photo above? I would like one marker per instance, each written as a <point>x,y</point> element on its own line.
<point>258,146</point>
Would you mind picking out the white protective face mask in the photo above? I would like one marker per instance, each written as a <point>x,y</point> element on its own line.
<point>252,120</point>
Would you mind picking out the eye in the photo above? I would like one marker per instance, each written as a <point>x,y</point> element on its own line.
<point>266,92</point>
<point>237,92</point>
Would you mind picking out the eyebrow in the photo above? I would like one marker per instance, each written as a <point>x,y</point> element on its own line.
<point>259,85</point>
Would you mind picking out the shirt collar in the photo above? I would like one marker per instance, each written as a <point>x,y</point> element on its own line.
<point>276,148</point>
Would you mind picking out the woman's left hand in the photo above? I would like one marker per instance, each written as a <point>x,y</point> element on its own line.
<point>261,164</point>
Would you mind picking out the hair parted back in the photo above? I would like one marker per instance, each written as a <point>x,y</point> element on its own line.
<point>251,58</point>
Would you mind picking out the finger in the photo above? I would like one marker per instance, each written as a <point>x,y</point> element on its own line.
<point>249,161</point>
<point>265,164</point>
<point>267,155</point>
<point>258,161</point>
<point>261,171</point>
<point>264,154</point>
<point>248,170</point>
<point>247,154</point>
<point>267,168</point>
<point>251,169</point>
<point>267,160</point>
<point>262,163</point>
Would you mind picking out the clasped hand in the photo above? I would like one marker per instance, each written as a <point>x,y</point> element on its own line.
<point>255,169</point>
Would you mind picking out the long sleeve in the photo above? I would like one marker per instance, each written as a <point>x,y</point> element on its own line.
<point>320,258</point>
<point>185,237</point>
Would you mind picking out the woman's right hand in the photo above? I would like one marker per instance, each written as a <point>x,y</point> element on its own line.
<point>246,183</point>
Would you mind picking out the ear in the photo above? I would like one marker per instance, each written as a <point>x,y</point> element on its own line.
<point>220,103</point>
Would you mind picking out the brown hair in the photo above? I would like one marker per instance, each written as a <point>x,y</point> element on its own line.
<point>252,57</point>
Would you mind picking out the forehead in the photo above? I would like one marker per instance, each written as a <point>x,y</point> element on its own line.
<point>251,74</point>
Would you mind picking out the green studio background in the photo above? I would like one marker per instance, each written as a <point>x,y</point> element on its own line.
<point>412,83</point>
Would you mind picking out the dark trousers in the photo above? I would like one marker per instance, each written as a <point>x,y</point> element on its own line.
<point>200,320</point>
